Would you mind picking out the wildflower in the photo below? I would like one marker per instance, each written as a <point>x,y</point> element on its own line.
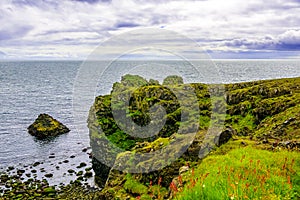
<point>159,180</point>
<point>258,161</point>
<point>289,182</point>
<point>193,172</point>
<point>206,175</point>
<point>243,157</point>
<point>203,185</point>
<point>173,187</point>
<point>293,161</point>
<point>138,197</point>
<point>247,185</point>
<point>232,185</point>
<point>193,182</point>
<point>180,180</point>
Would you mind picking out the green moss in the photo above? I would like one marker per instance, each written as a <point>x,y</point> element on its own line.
<point>134,187</point>
<point>146,197</point>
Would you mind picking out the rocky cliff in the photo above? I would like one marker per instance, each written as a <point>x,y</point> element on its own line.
<point>264,111</point>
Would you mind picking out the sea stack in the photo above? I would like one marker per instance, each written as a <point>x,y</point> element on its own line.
<point>46,126</point>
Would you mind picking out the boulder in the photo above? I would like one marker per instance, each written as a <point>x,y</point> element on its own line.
<point>46,126</point>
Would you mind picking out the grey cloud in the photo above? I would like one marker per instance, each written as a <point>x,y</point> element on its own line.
<point>252,54</point>
<point>287,41</point>
<point>275,5</point>
<point>126,25</point>
<point>93,1</point>
<point>34,3</point>
<point>2,54</point>
<point>26,2</point>
<point>14,32</point>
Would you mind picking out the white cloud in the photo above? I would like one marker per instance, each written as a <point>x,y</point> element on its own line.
<point>69,28</point>
<point>290,37</point>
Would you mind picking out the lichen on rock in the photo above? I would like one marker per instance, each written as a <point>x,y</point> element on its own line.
<point>46,126</point>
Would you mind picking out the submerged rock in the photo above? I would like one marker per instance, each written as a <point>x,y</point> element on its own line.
<point>46,126</point>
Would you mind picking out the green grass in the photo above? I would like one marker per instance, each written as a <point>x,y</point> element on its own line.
<point>244,173</point>
<point>243,125</point>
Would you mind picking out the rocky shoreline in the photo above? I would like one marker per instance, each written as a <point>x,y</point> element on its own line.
<point>261,114</point>
<point>39,179</point>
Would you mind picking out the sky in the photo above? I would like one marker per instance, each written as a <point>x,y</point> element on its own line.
<point>225,29</point>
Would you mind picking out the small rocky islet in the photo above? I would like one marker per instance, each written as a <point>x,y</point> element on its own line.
<point>46,126</point>
<point>259,114</point>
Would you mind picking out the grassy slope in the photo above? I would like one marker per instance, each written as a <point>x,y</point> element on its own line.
<point>244,172</point>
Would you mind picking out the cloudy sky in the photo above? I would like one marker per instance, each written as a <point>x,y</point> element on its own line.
<point>72,29</point>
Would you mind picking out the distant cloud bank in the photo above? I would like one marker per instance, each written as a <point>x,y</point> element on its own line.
<point>71,29</point>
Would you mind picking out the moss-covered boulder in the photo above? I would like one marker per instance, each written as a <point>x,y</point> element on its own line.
<point>46,126</point>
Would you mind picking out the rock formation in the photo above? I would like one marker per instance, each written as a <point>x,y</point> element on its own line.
<point>46,126</point>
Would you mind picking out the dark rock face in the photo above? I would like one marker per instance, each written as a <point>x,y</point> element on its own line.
<point>224,136</point>
<point>101,171</point>
<point>46,126</point>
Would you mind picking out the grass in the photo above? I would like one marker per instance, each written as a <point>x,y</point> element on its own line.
<point>243,173</point>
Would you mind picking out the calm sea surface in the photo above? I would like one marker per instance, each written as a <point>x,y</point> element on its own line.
<point>33,87</point>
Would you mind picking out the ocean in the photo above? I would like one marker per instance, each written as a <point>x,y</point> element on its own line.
<point>28,88</point>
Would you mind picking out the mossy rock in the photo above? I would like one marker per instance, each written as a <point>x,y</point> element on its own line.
<point>173,80</point>
<point>49,190</point>
<point>46,126</point>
